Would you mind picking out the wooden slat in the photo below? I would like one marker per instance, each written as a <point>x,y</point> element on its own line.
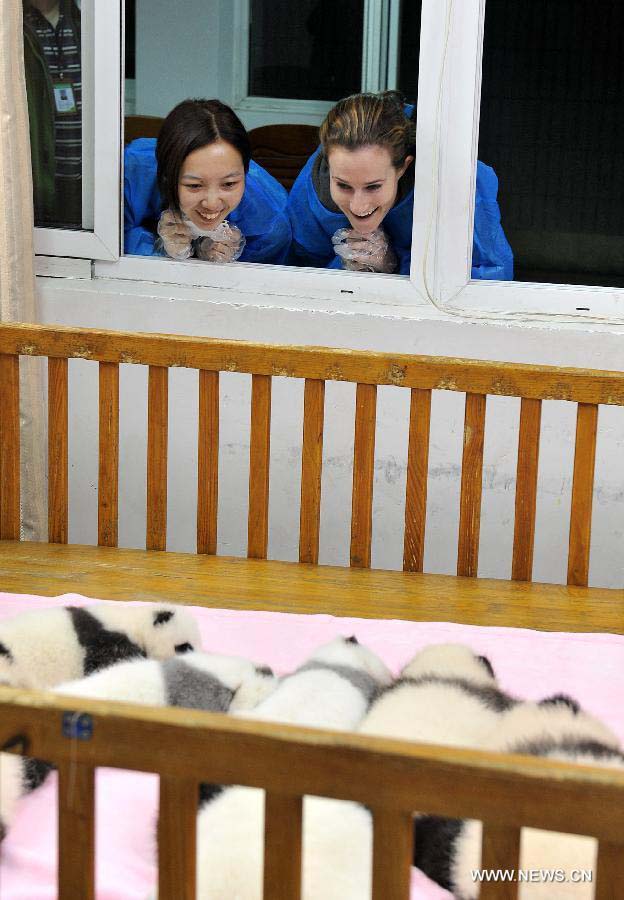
<point>108,470</point>
<point>504,790</point>
<point>208,462</point>
<point>526,489</point>
<point>282,847</point>
<point>311,465</point>
<point>157,425</point>
<point>322,363</point>
<point>393,841</point>
<point>259,458</point>
<point>582,490</point>
<point>609,876</point>
<point>471,483</point>
<point>57,451</point>
<point>363,475</point>
<point>76,831</point>
<point>416,488</point>
<point>177,828</point>
<point>9,448</point>
<point>501,850</point>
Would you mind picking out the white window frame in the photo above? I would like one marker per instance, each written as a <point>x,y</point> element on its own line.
<point>446,150</point>
<point>269,281</point>
<point>379,62</point>
<point>459,28</point>
<point>101,93</point>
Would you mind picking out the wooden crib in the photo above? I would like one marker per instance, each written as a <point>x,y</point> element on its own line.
<point>391,777</point>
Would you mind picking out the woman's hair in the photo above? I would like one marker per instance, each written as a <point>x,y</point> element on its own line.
<point>370,119</point>
<point>190,125</point>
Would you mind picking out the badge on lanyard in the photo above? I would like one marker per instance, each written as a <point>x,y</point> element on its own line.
<point>64,97</point>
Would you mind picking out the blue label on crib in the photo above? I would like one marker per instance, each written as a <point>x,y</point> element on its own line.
<point>80,727</point>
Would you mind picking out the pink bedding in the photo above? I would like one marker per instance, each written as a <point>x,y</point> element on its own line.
<point>531,664</point>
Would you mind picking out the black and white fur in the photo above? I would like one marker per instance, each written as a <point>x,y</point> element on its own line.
<point>446,694</point>
<point>40,649</point>
<point>447,850</point>
<point>333,689</point>
<point>197,680</point>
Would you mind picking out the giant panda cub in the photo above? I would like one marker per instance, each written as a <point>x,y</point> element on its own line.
<point>333,689</point>
<point>447,850</point>
<point>40,649</point>
<point>207,681</point>
<point>446,694</point>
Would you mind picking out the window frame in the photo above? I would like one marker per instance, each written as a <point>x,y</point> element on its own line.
<point>102,39</point>
<point>379,62</point>
<point>451,42</point>
<point>458,73</point>
<point>284,281</point>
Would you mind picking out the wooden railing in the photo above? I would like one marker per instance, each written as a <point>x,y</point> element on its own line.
<point>316,365</point>
<point>392,778</point>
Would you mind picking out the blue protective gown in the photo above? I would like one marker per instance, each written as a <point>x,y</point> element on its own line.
<point>313,226</point>
<point>261,215</point>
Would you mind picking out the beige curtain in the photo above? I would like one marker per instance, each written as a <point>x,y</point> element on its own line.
<point>17,280</point>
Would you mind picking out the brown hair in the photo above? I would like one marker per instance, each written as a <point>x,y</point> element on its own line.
<point>370,119</point>
<point>190,125</point>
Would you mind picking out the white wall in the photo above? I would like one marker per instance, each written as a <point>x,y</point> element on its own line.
<point>177,53</point>
<point>148,307</point>
<point>191,50</point>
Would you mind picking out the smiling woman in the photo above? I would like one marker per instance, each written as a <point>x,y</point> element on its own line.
<point>352,205</point>
<point>198,190</point>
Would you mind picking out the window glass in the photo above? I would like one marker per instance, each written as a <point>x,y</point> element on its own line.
<point>552,126</point>
<point>52,57</point>
<point>409,48</point>
<point>309,50</point>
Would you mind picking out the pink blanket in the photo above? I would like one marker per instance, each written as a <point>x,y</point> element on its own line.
<point>529,663</point>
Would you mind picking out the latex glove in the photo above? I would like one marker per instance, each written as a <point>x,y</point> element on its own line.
<point>175,235</point>
<point>364,253</point>
<point>225,243</point>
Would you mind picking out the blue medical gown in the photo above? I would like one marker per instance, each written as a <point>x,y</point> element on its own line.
<point>261,215</point>
<point>313,226</point>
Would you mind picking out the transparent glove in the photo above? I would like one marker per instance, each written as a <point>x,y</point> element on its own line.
<point>225,243</point>
<point>364,253</point>
<point>175,235</point>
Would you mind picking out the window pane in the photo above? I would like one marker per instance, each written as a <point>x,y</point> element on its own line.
<point>552,126</point>
<point>309,50</point>
<point>52,57</point>
<point>409,48</point>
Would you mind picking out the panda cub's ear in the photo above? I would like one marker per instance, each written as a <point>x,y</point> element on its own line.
<point>487,665</point>
<point>561,700</point>
<point>164,615</point>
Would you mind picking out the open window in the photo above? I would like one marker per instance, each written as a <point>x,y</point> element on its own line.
<point>275,65</point>
<point>466,64</point>
<point>533,90</point>
<point>73,59</point>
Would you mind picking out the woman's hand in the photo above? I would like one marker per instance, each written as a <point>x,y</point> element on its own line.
<point>175,235</point>
<point>364,253</point>
<point>226,245</point>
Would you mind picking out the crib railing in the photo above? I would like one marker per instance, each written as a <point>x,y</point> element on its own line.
<point>316,365</point>
<point>392,778</point>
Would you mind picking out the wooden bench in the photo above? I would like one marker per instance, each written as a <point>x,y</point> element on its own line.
<point>393,778</point>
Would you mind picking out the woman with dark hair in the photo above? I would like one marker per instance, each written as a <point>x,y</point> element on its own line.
<point>196,192</point>
<point>352,204</point>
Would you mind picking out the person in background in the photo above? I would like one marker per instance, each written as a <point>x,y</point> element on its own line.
<point>53,84</point>
<point>196,192</point>
<point>351,206</point>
